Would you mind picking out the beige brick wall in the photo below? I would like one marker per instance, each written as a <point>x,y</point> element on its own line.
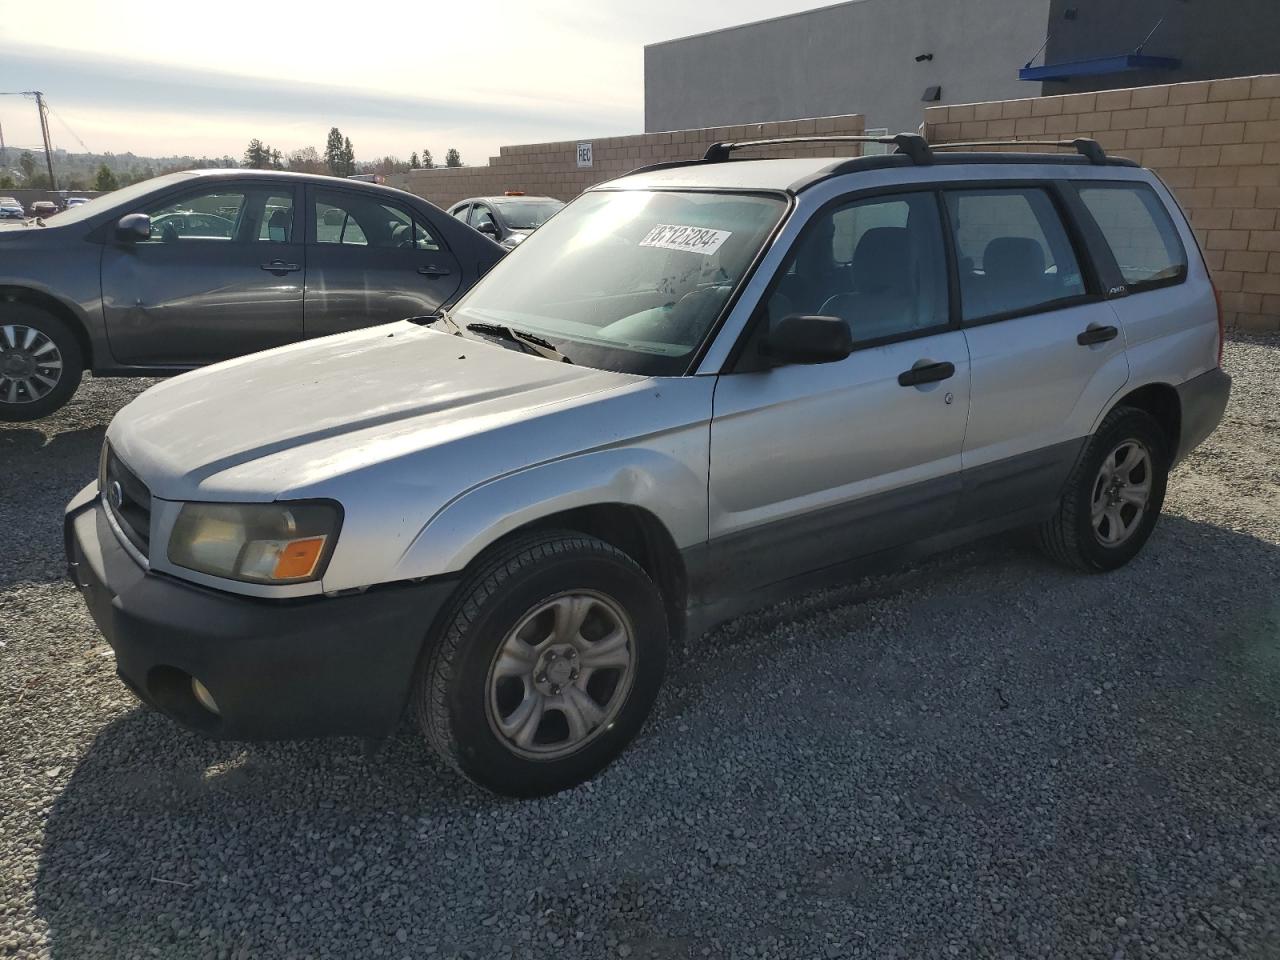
<point>551,168</point>
<point>1216,143</point>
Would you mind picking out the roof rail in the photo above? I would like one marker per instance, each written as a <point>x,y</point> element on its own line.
<point>1082,145</point>
<point>912,145</point>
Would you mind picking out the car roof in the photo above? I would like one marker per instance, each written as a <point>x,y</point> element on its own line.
<point>289,176</point>
<point>503,198</point>
<point>795,175</point>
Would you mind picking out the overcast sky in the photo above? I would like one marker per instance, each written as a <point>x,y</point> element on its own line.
<point>178,77</point>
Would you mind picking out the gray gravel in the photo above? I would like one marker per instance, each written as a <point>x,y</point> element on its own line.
<point>983,756</point>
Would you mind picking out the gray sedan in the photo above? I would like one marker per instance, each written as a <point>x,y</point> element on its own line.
<point>193,268</point>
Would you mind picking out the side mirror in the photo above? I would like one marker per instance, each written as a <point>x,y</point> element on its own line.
<point>807,339</point>
<point>133,228</point>
<point>488,228</point>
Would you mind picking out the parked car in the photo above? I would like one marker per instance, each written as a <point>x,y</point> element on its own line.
<point>74,202</point>
<point>696,389</point>
<point>508,219</point>
<point>42,208</point>
<point>191,268</point>
<point>11,209</point>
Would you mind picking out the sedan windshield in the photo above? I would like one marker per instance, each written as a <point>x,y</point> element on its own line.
<point>527,214</point>
<point>627,280</point>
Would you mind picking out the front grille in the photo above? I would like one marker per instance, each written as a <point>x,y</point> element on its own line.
<point>129,501</point>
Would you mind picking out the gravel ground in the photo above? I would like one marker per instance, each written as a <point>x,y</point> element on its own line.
<point>983,756</point>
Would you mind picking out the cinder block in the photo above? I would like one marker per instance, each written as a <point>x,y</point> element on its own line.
<point>1150,96</point>
<point>1046,106</point>
<point>1253,219</point>
<point>1095,121</point>
<point>1209,218</point>
<point>1228,281</point>
<point>1268,198</point>
<point>1246,110</point>
<point>1197,92</point>
<point>1267,86</point>
<point>1029,127</point>
<point>961,114</point>
<point>987,111</point>
<point>1115,100</point>
<point>1247,261</point>
<point>1223,133</point>
<point>1245,302</point>
<point>1142,139</point>
<point>1241,154</point>
<point>1262,131</point>
<point>1217,176</point>
<point>1161,157</point>
<point>1061,124</point>
<point>1268,240</point>
<point>1213,259</point>
<point>1000,129</point>
<point>1233,89</point>
<point>1259,176</point>
<point>1200,156</point>
<point>1132,120</point>
<point>1261,283</point>
<point>1015,109</point>
<point>1257,322</point>
<point>1227,240</point>
<point>1185,136</point>
<point>1079,103</point>
<point>1206,113</point>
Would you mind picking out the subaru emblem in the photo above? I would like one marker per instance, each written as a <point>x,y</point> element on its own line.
<point>116,494</point>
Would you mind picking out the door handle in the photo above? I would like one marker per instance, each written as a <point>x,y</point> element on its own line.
<point>926,371</point>
<point>1096,333</point>
<point>279,266</point>
<point>431,270</point>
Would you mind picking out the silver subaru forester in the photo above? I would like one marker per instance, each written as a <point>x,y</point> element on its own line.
<point>696,389</point>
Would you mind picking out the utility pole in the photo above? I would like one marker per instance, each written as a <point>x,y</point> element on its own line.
<point>44,131</point>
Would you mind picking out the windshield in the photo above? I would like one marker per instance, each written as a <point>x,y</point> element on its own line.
<point>627,280</point>
<point>123,197</point>
<point>527,214</point>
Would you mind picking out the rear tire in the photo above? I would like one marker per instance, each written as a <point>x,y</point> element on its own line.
<point>545,666</point>
<point>40,362</point>
<point>1112,499</point>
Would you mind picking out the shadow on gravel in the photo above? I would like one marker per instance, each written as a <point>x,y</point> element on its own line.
<point>38,477</point>
<point>167,844</point>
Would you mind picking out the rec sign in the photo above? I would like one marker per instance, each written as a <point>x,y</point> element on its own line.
<point>584,155</point>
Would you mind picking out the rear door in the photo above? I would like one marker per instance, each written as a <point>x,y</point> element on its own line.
<point>220,276</point>
<point>1044,347</point>
<point>371,260</point>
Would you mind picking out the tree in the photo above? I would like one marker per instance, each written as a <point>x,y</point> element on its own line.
<point>428,161</point>
<point>28,164</point>
<point>257,155</point>
<point>453,158</point>
<point>6,182</point>
<point>306,160</point>
<point>105,180</point>
<point>348,157</point>
<point>413,161</point>
<point>333,152</point>
<point>276,163</point>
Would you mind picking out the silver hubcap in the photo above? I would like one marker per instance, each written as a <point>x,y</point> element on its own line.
<point>561,675</point>
<point>1121,493</point>
<point>30,364</point>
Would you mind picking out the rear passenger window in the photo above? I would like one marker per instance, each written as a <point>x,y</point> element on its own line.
<point>877,264</point>
<point>1137,227</point>
<point>1013,252</point>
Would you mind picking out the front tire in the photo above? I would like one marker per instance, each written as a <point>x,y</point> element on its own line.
<point>546,665</point>
<point>40,362</point>
<point>1112,499</point>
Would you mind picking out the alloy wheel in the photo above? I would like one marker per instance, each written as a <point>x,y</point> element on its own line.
<point>1121,493</point>
<point>561,675</point>
<point>30,364</point>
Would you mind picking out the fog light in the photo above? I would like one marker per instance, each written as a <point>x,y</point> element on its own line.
<point>205,697</point>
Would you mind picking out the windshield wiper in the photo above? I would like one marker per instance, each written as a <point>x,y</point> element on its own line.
<point>531,343</point>
<point>431,318</point>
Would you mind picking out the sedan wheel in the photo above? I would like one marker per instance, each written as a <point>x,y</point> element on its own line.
<point>30,364</point>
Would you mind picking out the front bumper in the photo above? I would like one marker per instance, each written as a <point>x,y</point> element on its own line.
<point>1202,400</point>
<point>277,669</point>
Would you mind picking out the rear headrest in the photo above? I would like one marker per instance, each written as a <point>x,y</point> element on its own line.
<point>278,225</point>
<point>882,260</point>
<point>1013,259</point>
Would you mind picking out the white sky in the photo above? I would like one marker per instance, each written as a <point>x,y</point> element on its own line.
<point>179,77</point>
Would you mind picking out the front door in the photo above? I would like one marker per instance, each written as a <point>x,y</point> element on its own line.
<point>372,261</point>
<point>220,276</point>
<point>812,465</point>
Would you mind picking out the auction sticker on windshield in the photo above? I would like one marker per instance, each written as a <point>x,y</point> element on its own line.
<point>702,240</point>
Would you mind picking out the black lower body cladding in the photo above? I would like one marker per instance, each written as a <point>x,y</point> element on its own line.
<point>1203,400</point>
<point>275,669</point>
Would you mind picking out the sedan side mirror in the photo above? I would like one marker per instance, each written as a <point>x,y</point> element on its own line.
<point>488,228</point>
<point>133,228</point>
<point>807,339</point>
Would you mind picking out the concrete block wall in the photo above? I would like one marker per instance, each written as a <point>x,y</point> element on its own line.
<point>551,169</point>
<point>1216,143</point>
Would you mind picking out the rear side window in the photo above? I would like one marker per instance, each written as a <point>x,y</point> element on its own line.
<point>1013,252</point>
<point>1137,227</point>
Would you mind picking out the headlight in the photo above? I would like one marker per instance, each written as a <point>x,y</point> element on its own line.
<point>259,542</point>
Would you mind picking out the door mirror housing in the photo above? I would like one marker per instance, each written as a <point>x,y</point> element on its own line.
<point>133,228</point>
<point>801,338</point>
<point>488,228</point>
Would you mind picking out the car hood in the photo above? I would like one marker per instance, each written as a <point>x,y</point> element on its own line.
<point>280,423</point>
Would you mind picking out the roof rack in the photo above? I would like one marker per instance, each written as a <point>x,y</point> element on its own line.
<point>911,144</point>
<point>1090,149</point>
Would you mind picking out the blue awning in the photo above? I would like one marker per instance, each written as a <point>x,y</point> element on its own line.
<point>1098,65</point>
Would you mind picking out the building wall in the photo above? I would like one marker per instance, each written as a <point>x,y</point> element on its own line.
<point>854,56</point>
<point>1215,143</point>
<point>551,169</point>
<point>1223,39</point>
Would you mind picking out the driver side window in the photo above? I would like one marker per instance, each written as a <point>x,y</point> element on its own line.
<point>877,264</point>
<point>208,215</point>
